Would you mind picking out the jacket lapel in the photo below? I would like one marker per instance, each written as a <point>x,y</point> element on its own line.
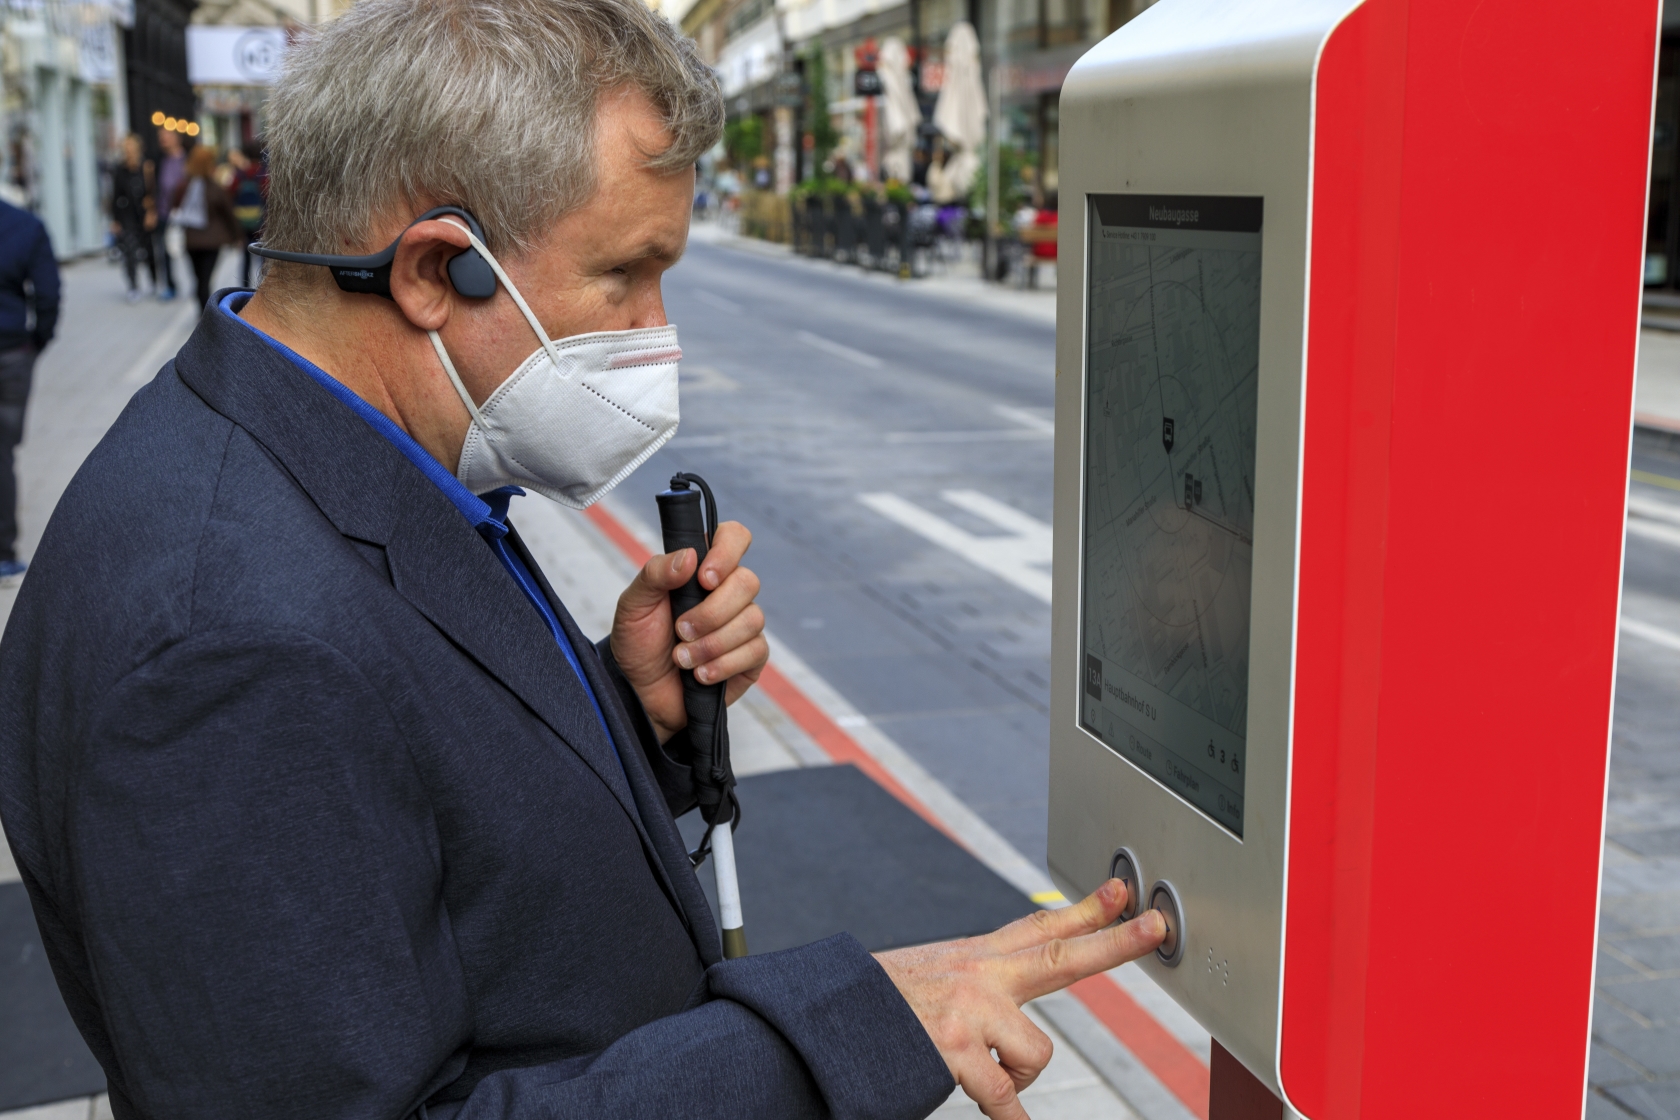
<point>664,841</point>
<point>369,491</point>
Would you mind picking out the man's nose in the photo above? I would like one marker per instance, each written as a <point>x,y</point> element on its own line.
<point>650,311</point>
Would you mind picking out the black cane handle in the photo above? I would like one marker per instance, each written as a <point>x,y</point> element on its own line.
<point>687,521</point>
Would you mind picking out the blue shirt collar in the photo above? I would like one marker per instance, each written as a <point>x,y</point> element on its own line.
<point>487,514</point>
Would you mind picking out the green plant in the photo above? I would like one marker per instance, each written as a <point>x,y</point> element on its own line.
<point>743,139</point>
<point>820,184</point>
<point>1014,189</point>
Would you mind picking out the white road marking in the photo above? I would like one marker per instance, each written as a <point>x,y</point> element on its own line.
<point>1656,635</point>
<point>1655,531</point>
<point>998,435</point>
<point>1026,418</point>
<point>1653,509</point>
<point>1020,557</point>
<point>706,379</point>
<point>839,350</point>
<point>1032,427</point>
<point>719,302</point>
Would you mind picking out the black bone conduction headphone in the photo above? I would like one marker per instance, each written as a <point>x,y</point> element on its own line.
<point>469,272</point>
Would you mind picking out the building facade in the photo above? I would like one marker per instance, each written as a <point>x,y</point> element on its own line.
<point>64,104</point>
<point>155,50</point>
<point>1027,48</point>
<point>237,53</point>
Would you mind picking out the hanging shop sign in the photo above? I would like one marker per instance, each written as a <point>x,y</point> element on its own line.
<point>234,56</point>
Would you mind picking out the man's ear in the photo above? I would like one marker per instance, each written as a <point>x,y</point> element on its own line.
<point>420,274</point>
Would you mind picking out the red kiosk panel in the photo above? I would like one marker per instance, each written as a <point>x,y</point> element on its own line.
<point>1479,175</point>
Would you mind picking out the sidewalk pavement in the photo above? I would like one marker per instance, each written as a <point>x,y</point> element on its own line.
<point>107,349</point>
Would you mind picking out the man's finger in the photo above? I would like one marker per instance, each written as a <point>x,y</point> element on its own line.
<point>738,631</point>
<point>729,545</point>
<point>989,1086</point>
<point>1092,912</point>
<point>749,658</point>
<point>660,576</point>
<point>1022,1049</point>
<point>1052,966</point>
<point>721,606</point>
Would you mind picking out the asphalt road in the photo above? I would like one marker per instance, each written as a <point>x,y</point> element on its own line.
<point>891,451</point>
<point>806,389</point>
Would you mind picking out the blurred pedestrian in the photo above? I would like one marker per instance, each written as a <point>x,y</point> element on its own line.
<point>1043,238</point>
<point>28,316</point>
<point>250,202</point>
<point>134,213</point>
<point>171,171</point>
<point>203,210</point>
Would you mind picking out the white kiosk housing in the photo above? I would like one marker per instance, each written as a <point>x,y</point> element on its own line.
<point>1323,367</point>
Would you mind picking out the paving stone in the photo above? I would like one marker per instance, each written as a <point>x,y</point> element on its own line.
<point>1657,1000</point>
<point>1605,1067</point>
<point>1650,1100</point>
<point>1659,952</point>
<point>1654,842</point>
<point>1603,1108</point>
<point>1650,913</point>
<point>1614,971</point>
<point>1655,1049</point>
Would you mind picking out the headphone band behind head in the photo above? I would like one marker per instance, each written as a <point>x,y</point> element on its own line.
<point>469,273</point>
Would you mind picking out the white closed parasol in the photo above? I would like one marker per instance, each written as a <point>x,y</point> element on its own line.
<point>902,114</point>
<point>960,113</point>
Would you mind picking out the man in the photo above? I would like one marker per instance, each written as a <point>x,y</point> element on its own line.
<point>171,173</point>
<point>28,317</point>
<point>325,806</point>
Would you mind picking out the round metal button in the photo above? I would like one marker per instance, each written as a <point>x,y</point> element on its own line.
<point>1164,897</point>
<point>1125,867</point>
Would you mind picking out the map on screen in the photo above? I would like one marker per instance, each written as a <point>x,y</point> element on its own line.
<point>1172,353</point>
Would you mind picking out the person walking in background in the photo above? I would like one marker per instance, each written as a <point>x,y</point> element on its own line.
<point>171,172</point>
<point>250,201</point>
<point>203,210</point>
<point>28,316</point>
<point>133,213</point>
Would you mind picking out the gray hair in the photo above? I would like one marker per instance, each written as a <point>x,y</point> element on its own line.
<point>489,105</point>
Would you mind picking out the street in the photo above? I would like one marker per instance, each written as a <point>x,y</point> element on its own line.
<point>851,425</point>
<point>889,444</point>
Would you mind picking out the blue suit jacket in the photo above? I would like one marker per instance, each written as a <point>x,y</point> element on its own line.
<point>318,822</point>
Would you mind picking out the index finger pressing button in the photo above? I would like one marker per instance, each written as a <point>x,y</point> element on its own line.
<point>1125,867</point>
<point>1164,897</point>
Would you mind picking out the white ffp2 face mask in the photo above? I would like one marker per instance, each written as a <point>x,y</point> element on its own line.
<point>577,416</point>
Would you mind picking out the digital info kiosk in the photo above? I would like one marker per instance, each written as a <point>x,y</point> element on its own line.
<point>1349,302</point>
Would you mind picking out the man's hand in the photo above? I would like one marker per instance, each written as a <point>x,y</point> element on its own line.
<point>968,994</point>
<point>722,638</point>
